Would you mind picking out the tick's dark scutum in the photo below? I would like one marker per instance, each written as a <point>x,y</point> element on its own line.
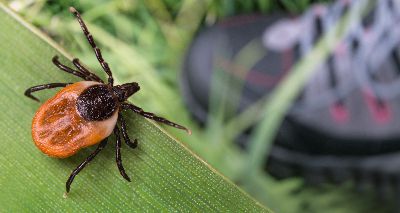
<point>97,103</point>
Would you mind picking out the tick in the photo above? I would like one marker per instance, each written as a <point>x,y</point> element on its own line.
<point>86,112</point>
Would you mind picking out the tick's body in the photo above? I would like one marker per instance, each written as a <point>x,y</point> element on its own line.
<point>59,129</point>
<point>85,113</point>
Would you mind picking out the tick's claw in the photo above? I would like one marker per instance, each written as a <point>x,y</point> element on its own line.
<point>133,144</point>
<point>72,10</point>
<point>123,173</point>
<point>34,98</point>
<point>126,177</point>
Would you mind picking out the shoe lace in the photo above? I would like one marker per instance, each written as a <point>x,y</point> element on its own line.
<point>382,50</point>
<point>331,81</point>
<point>371,42</point>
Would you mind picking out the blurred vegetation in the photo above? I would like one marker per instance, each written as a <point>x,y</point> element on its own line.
<point>145,42</point>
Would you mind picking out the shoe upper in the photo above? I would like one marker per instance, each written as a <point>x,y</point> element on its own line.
<point>350,106</point>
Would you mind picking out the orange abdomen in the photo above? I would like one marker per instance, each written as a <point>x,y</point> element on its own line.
<point>59,131</point>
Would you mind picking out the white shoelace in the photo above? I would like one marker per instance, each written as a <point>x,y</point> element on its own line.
<point>353,67</point>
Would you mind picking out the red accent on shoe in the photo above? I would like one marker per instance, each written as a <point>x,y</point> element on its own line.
<point>341,49</point>
<point>380,111</point>
<point>339,113</point>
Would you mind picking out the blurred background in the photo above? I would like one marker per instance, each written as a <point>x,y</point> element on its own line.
<point>297,102</point>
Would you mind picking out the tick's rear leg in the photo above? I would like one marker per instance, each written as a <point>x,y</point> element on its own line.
<point>84,163</point>
<point>118,154</point>
<point>42,87</point>
<point>125,133</point>
<point>150,115</point>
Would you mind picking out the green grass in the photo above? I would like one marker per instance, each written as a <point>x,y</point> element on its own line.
<point>166,176</point>
<point>145,41</point>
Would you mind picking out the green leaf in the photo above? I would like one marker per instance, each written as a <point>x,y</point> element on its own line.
<point>165,175</point>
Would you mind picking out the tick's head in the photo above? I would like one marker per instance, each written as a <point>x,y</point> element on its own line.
<point>124,91</point>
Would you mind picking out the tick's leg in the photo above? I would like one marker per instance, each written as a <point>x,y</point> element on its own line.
<point>85,71</point>
<point>90,39</point>
<point>42,87</point>
<point>118,154</point>
<point>84,163</point>
<point>125,134</point>
<point>150,115</point>
<point>67,69</point>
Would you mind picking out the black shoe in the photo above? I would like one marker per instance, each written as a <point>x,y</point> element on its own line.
<point>345,125</point>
